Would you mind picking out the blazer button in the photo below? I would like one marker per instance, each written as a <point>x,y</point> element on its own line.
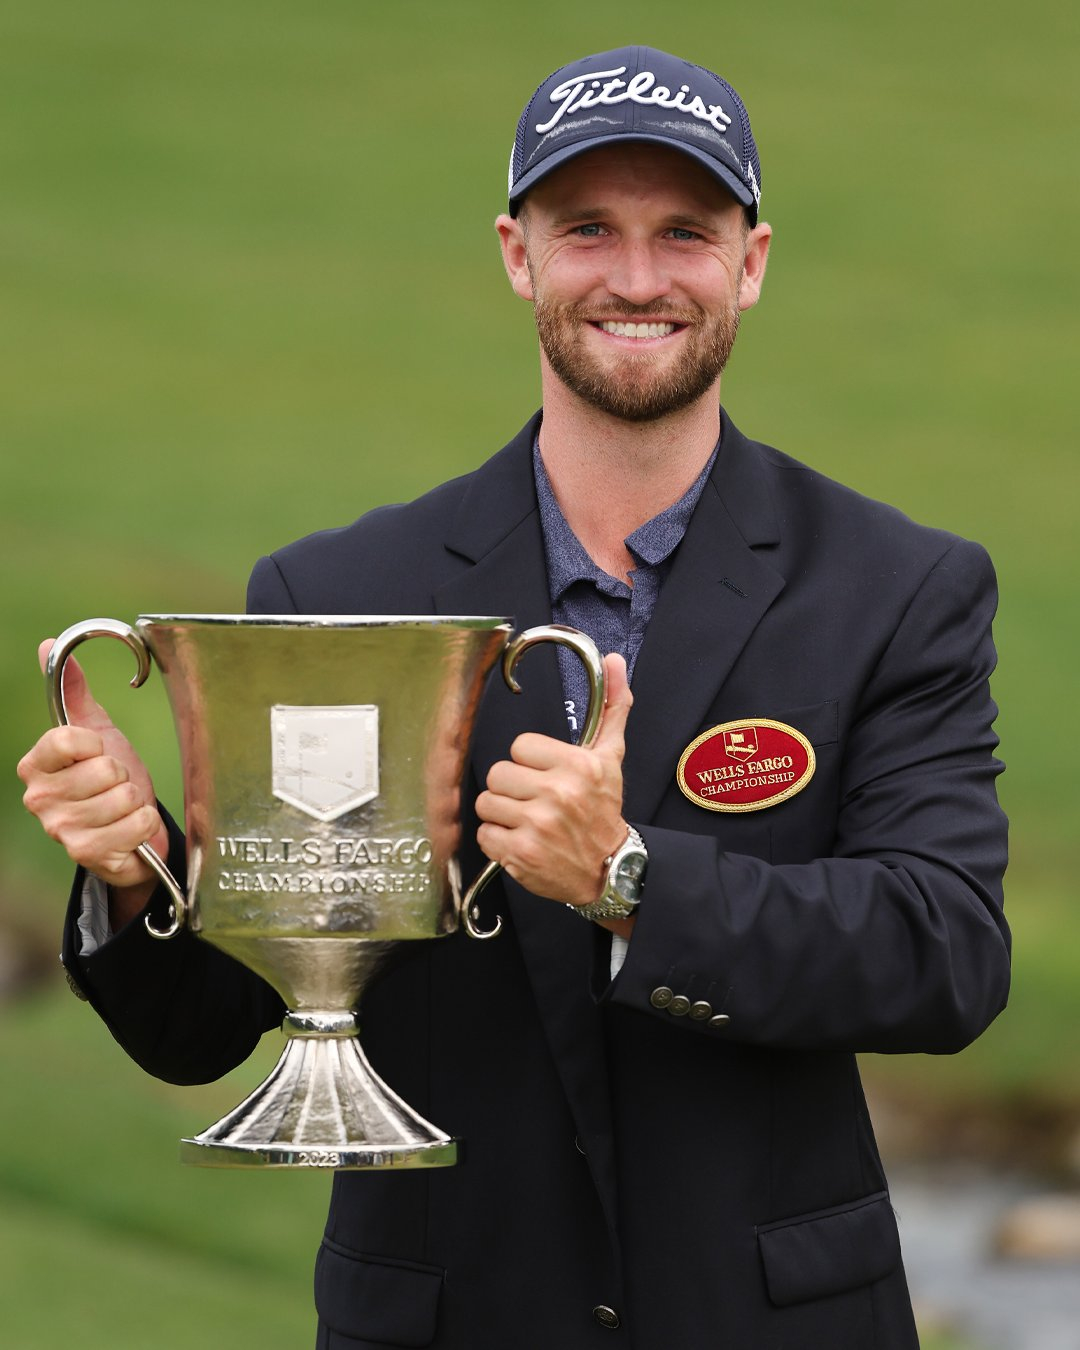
<point>700,1010</point>
<point>607,1317</point>
<point>75,989</point>
<point>679,1006</point>
<point>661,996</point>
<point>719,1022</point>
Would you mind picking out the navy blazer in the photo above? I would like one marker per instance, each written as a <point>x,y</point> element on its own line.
<point>702,1183</point>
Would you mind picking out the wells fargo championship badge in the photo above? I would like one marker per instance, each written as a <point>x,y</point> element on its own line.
<point>746,766</point>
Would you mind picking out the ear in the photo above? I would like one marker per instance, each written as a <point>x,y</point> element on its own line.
<point>757,255</point>
<point>512,241</point>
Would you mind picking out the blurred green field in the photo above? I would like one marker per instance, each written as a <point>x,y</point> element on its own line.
<point>250,289</point>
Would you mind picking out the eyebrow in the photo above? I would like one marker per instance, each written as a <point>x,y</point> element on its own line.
<point>584,214</point>
<point>587,214</point>
<point>693,223</point>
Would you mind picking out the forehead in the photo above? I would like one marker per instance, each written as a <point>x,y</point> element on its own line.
<point>633,175</point>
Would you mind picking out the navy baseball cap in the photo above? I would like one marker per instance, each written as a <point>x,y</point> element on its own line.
<point>637,94</point>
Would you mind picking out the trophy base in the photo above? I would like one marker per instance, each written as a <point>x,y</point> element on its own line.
<point>203,1152</point>
<point>322,1106</point>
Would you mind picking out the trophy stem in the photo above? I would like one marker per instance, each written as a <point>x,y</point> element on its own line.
<point>322,1106</point>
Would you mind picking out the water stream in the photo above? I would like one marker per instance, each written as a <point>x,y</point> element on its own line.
<point>948,1216</point>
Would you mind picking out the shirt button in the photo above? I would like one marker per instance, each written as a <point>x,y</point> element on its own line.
<point>701,1010</point>
<point>661,997</point>
<point>679,1006</point>
<point>719,1022</point>
<point>607,1317</point>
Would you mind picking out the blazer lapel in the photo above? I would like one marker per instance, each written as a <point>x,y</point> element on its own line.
<point>498,529</point>
<point>720,585</point>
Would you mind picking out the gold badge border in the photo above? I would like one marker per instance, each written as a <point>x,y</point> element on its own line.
<point>737,807</point>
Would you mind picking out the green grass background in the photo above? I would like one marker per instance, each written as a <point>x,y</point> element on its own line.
<point>249,288</point>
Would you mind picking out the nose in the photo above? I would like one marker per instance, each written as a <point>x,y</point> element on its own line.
<point>637,273</point>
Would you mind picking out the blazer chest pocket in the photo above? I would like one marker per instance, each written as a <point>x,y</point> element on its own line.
<point>818,722</point>
<point>377,1301</point>
<point>829,1252</point>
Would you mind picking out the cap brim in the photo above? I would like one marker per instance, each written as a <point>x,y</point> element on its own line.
<point>720,172</point>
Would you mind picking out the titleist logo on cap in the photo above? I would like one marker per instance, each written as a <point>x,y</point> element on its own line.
<point>573,96</point>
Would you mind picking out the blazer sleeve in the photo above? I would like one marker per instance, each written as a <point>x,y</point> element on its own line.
<point>183,1010</point>
<point>896,942</point>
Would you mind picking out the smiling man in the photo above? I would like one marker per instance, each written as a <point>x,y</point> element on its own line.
<point>783,848</point>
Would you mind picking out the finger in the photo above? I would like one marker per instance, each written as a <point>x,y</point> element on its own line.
<point>522,781</point>
<point>494,841</point>
<point>109,852</point>
<point>534,751</point>
<point>59,748</point>
<point>87,778</point>
<point>105,808</point>
<point>496,810</point>
<point>619,702</point>
<point>82,708</point>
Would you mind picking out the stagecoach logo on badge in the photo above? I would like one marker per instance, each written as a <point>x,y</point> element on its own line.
<point>746,766</point>
<point>325,760</point>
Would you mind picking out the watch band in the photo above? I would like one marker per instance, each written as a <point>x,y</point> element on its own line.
<point>613,903</point>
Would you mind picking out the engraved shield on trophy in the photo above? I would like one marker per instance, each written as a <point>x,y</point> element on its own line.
<point>325,760</point>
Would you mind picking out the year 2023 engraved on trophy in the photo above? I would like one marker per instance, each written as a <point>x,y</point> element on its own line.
<point>322,763</point>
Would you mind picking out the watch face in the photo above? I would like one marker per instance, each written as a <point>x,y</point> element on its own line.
<point>628,874</point>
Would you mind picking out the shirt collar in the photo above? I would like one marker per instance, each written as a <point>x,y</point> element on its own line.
<point>650,544</point>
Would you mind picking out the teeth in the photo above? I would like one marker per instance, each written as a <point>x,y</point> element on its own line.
<point>637,330</point>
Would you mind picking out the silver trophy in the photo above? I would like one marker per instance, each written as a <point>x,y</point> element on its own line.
<point>322,760</point>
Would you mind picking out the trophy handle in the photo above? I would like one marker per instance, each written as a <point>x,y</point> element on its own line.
<point>62,648</point>
<point>587,650</point>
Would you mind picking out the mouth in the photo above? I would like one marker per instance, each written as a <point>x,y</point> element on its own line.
<point>641,332</point>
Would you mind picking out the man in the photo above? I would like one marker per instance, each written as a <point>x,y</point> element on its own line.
<point>667,1142</point>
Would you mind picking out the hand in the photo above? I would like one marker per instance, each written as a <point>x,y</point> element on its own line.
<point>92,793</point>
<point>553,812</point>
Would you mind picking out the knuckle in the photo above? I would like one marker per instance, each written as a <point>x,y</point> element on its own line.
<point>64,741</point>
<point>101,774</point>
<point>546,819</point>
<point>523,745</point>
<point>75,845</point>
<point>572,792</point>
<point>530,855</point>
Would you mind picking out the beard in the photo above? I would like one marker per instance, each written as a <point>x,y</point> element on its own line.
<point>636,387</point>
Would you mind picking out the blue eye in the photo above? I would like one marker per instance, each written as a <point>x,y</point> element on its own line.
<point>682,234</point>
<point>591,231</point>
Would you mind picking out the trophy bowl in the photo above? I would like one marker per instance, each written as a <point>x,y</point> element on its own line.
<point>322,760</point>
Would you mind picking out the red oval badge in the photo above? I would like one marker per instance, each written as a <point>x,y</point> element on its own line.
<point>746,766</point>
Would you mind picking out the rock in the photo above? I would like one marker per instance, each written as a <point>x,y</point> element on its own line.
<point>26,961</point>
<point>1046,1228</point>
<point>1072,1154</point>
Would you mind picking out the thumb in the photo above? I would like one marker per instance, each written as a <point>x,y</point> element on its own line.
<point>83,710</point>
<point>619,702</point>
